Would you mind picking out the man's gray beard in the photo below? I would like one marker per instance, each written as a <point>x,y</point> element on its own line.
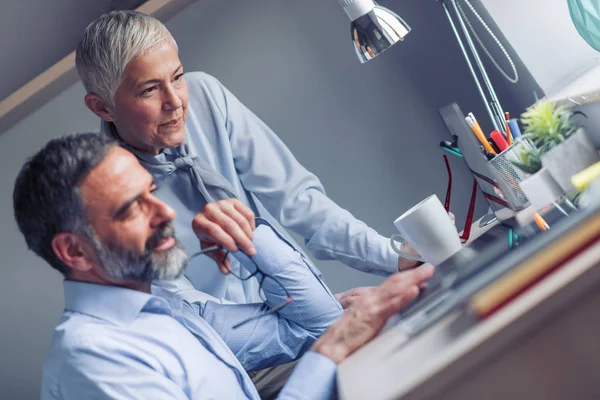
<point>122,264</point>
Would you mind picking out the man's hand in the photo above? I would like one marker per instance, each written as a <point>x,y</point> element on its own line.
<point>406,263</point>
<point>350,297</point>
<point>228,223</point>
<point>365,318</point>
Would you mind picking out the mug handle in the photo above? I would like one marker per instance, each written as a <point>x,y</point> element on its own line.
<point>396,237</point>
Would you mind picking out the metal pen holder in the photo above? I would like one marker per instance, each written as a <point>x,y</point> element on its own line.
<point>508,177</point>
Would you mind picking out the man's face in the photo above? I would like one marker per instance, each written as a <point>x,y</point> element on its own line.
<point>150,104</point>
<point>133,235</point>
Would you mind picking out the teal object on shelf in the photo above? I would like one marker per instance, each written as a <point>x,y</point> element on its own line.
<point>586,17</point>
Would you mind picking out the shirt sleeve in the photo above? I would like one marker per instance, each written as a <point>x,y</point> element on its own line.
<point>312,379</point>
<point>94,371</point>
<point>294,196</point>
<point>283,336</point>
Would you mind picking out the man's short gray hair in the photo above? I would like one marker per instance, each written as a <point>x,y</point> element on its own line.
<point>110,43</point>
<point>46,196</point>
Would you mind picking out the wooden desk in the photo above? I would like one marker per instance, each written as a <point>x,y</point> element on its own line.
<point>543,345</point>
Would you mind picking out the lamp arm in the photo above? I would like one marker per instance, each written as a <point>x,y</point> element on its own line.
<point>492,105</point>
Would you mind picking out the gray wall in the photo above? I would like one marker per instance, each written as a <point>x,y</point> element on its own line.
<point>370,132</point>
<point>543,39</point>
<point>47,32</point>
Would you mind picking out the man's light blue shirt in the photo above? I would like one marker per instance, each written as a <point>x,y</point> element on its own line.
<point>120,343</point>
<point>266,176</point>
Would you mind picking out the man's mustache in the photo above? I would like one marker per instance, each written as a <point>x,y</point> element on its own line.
<point>163,232</point>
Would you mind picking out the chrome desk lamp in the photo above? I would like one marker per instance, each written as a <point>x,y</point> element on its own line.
<point>375,28</point>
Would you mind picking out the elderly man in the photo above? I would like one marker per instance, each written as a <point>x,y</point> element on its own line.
<point>89,209</point>
<point>218,164</point>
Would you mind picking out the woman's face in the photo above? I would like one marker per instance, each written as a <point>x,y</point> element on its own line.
<point>150,104</point>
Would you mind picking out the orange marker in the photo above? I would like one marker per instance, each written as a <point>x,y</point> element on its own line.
<point>499,140</point>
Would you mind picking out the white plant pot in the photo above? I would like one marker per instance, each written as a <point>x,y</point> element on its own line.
<point>570,157</point>
<point>541,189</point>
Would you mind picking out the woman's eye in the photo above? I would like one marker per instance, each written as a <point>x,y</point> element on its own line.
<point>149,90</point>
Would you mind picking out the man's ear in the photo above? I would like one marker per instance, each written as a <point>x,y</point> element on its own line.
<point>73,251</point>
<point>98,106</point>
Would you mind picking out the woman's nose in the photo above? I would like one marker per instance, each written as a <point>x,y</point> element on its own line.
<point>172,99</point>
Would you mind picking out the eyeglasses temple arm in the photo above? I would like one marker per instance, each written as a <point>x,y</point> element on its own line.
<point>271,311</point>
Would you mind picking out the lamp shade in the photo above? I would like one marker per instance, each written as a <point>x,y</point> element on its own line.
<point>373,28</point>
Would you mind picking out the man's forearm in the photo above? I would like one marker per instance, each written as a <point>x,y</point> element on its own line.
<point>312,306</point>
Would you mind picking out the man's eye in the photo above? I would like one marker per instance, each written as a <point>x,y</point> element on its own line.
<point>153,189</point>
<point>131,210</point>
<point>179,77</point>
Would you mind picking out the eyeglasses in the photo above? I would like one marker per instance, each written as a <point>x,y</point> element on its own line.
<point>264,280</point>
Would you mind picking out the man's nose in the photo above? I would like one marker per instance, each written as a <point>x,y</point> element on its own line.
<point>162,213</point>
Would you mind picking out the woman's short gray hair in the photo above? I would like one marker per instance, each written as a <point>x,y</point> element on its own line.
<point>110,43</point>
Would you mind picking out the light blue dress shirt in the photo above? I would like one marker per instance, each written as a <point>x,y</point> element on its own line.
<point>119,343</point>
<point>267,177</point>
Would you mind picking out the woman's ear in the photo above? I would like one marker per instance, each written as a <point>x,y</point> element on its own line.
<point>98,106</point>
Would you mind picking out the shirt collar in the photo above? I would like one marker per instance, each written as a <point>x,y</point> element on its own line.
<point>111,303</point>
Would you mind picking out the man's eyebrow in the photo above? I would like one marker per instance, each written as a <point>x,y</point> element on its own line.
<point>123,209</point>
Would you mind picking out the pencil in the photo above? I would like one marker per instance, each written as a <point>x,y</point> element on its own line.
<point>541,222</point>
<point>509,136</point>
<point>472,122</point>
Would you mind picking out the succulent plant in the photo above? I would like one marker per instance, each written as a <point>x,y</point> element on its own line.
<point>530,161</point>
<point>546,125</point>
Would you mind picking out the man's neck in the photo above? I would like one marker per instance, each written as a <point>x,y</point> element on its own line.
<point>92,277</point>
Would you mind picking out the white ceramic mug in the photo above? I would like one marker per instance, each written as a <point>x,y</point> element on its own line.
<point>429,230</point>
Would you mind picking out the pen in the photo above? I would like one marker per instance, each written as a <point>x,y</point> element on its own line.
<point>509,136</point>
<point>496,149</point>
<point>472,122</point>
